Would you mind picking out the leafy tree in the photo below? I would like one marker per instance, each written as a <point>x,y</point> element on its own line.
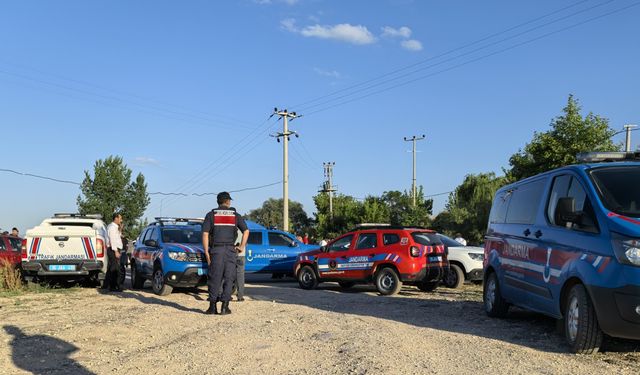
<point>270,215</point>
<point>347,212</point>
<point>467,210</point>
<point>570,134</point>
<point>111,190</point>
<point>402,211</point>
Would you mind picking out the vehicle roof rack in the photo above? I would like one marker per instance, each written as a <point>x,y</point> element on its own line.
<point>77,215</point>
<point>365,226</point>
<point>161,221</point>
<point>600,157</point>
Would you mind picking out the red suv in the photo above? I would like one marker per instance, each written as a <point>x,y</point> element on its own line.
<point>385,255</point>
<point>10,249</point>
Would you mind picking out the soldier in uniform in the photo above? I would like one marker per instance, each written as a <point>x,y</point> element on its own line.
<point>218,239</point>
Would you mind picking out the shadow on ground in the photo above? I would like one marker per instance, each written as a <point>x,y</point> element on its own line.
<point>42,354</point>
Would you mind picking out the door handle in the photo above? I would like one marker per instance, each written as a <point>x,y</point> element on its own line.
<point>526,232</point>
<point>538,233</point>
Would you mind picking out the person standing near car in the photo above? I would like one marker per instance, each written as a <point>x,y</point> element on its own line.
<point>218,241</point>
<point>114,245</point>
<point>124,258</point>
<point>460,239</point>
<point>240,268</point>
<point>15,232</point>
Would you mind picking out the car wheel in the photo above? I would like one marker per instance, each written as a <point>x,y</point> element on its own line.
<point>346,284</point>
<point>454,278</point>
<point>307,278</point>
<point>581,327</point>
<point>387,281</point>
<point>137,281</point>
<point>427,286</point>
<point>158,283</point>
<point>494,305</point>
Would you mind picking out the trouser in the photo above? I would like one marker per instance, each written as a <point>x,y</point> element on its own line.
<point>240,276</point>
<point>113,270</point>
<point>123,268</point>
<point>222,268</point>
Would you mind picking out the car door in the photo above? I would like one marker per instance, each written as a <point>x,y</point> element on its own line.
<point>329,262</point>
<point>254,257</point>
<point>145,254</point>
<point>5,254</point>
<point>282,251</point>
<point>15,248</point>
<point>360,260</point>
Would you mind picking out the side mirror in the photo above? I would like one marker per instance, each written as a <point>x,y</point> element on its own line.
<point>293,244</point>
<point>324,249</point>
<point>566,211</point>
<point>151,243</point>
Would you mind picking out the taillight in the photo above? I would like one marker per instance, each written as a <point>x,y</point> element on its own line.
<point>99,248</point>
<point>23,249</point>
<point>414,251</point>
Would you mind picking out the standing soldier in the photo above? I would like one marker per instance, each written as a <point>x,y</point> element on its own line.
<point>218,239</point>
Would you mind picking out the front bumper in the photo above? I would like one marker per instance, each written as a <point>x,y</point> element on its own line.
<point>44,268</point>
<point>188,278</point>
<point>476,275</point>
<point>430,273</point>
<point>616,310</point>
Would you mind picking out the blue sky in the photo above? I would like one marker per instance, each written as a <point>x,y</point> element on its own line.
<point>177,88</point>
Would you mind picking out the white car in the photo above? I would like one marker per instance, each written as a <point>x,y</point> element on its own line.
<point>66,246</point>
<point>465,263</point>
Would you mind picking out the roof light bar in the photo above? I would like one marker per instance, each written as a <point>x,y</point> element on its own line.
<point>596,157</point>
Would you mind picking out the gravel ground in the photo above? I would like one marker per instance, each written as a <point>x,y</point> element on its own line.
<point>282,329</point>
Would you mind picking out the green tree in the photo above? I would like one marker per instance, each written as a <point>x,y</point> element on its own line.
<point>403,212</point>
<point>570,134</point>
<point>270,215</point>
<point>111,190</point>
<point>467,210</point>
<point>347,212</point>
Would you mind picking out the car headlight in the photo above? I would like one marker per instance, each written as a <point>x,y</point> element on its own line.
<point>178,255</point>
<point>477,256</point>
<point>627,249</point>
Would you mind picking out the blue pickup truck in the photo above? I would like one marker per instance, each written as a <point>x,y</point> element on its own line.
<point>169,253</point>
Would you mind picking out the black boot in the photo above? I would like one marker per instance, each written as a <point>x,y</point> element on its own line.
<point>213,309</point>
<point>225,308</point>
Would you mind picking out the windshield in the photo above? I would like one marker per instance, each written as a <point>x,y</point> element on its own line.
<point>448,241</point>
<point>427,239</point>
<point>618,189</point>
<point>181,235</point>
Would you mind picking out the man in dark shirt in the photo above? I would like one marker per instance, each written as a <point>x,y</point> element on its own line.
<point>218,239</point>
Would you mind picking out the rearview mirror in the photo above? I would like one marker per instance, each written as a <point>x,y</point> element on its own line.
<point>566,211</point>
<point>151,243</point>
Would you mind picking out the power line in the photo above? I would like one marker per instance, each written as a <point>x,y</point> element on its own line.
<point>475,59</point>
<point>441,55</point>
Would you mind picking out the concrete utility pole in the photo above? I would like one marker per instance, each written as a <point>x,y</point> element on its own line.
<point>413,185</point>
<point>328,187</point>
<point>627,145</point>
<point>285,116</point>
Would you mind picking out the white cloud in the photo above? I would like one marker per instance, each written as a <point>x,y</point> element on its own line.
<point>289,24</point>
<point>269,2</point>
<point>354,34</point>
<point>142,161</point>
<point>411,45</point>
<point>327,73</point>
<point>390,32</point>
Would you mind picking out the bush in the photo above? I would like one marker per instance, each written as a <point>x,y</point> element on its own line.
<point>10,279</point>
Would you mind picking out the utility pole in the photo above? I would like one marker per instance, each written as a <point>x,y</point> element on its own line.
<point>328,187</point>
<point>285,116</point>
<point>627,145</point>
<point>414,139</point>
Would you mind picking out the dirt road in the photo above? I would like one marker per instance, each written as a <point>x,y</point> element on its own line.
<point>282,329</point>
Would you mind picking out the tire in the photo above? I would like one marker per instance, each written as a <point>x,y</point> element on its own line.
<point>158,283</point>
<point>137,281</point>
<point>581,327</point>
<point>346,284</point>
<point>427,286</point>
<point>454,278</point>
<point>494,305</point>
<point>307,278</point>
<point>387,281</point>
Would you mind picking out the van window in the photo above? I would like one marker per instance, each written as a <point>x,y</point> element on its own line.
<point>498,213</point>
<point>390,238</point>
<point>568,186</point>
<point>618,189</point>
<point>255,238</point>
<point>525,201</point>
<point>279,239</point>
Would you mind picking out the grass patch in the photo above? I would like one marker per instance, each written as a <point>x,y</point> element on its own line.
<point>11,283</point>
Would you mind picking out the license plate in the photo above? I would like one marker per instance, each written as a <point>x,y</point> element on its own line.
<point>435,259</point>
<point>202,271</point>
<point>62,267</point>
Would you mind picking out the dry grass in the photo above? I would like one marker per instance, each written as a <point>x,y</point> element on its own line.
<point>10,279</point>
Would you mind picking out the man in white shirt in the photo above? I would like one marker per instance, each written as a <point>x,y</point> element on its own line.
<point>460,239</point>
<point>114,245</point>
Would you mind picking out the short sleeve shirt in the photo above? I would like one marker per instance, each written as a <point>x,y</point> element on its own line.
<point>222,224</point>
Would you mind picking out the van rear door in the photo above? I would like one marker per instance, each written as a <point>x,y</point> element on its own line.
<point>62,242</point>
